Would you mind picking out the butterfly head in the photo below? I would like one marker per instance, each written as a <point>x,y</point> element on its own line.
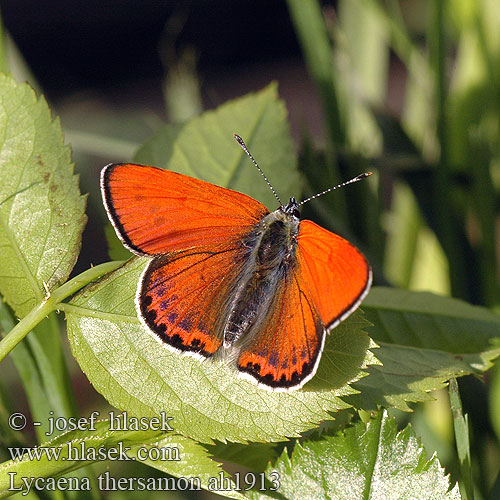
<point>291,208</point>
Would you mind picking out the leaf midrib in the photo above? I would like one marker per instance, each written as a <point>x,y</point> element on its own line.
<point>373,465</point>
<point>17,251</point>
<point>84,311</point>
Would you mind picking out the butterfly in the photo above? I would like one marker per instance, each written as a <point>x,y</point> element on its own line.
<point>230,279</point>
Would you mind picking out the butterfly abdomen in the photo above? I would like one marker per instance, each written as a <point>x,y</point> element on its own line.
<point>271,248</point>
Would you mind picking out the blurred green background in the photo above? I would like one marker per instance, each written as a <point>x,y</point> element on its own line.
<point>409,89</point>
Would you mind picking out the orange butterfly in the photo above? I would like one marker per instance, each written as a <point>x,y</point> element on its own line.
<point>229,278</point>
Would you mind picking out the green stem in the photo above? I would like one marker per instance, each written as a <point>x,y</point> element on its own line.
<point>401,40</point>
<point>447,224</point>
<point>99,145</point>
<point>44,308</point>
<point>313,35</point>
<point>485,196</point>
<point>461,426</point>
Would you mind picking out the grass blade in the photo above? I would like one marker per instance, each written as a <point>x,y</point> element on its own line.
<point>311,30</point>
<point>461,425</point>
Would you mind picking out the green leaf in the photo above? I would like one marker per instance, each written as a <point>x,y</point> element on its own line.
<point>194,462</point>
<point>369,461</point>
<point>424,340</point>
<point>41,219</point>
<point>205,148</point>
<point>255,456</point>
<point>41,209</point>
<point>494,402</point>
<point>168,452</point>
<point>430,321</point>
<point>134,372</point>
<point>181,88</point>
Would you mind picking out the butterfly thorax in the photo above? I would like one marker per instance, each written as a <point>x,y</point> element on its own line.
<point>271,253</point>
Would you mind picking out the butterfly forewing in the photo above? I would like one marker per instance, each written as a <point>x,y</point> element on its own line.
<point>336,272</point>
<point>155,211</point>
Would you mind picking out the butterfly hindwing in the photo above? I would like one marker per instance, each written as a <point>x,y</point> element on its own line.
<point>155,211</point>
<point>182,296</point>
<point>284,351</point>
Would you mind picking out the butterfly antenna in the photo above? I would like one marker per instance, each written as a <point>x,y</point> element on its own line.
<point>356,179</point>
<point>244,147</point>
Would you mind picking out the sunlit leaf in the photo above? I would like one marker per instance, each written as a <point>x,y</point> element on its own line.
<point>371,460</point>
<point>205,147</point>
<point>41,208</point>
<point>207,400</point>
<point>424,340</point>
